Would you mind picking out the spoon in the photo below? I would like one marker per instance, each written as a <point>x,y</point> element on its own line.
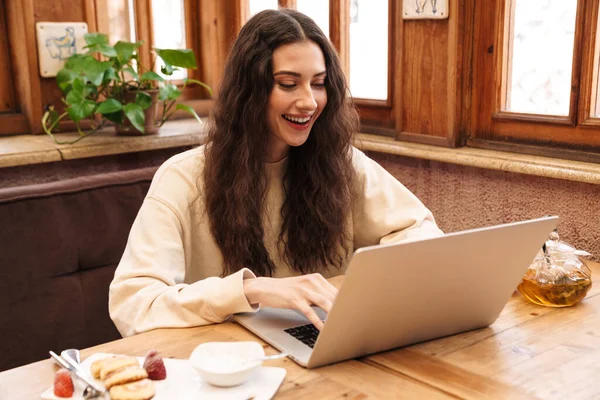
<point>265,358</point>
<point>73,353</point>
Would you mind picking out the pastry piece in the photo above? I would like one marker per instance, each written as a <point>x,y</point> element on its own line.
<point>139,390</point>
<point>115,364</point>
<point>97,365</point>
<point>130,373</point>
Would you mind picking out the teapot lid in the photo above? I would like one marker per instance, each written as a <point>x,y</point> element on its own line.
<point>554,246</point>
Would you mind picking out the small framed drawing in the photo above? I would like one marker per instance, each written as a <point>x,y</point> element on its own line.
<point>425,9</point>
<point>57,41</point>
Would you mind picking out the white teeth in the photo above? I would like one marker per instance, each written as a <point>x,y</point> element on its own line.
<point>296,119</point>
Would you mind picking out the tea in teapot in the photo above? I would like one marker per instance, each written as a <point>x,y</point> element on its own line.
<point>558,276</point>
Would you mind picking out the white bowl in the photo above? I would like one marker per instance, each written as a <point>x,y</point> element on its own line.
<point>226,364</point>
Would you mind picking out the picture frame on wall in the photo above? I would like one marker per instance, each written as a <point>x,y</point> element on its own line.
<point>56,42</point>
<point>425,9</point>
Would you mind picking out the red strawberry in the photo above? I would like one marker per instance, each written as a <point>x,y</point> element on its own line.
<point>63,384</point>
<point>154,366</point>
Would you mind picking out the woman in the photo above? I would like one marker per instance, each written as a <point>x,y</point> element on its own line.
<point>274,203</point>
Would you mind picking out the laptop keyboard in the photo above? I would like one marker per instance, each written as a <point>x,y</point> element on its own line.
<point>307,334</point>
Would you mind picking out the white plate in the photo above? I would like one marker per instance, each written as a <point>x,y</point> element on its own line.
<point>183,382</point>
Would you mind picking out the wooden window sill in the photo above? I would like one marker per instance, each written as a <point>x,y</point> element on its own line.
<point>37,149</point>
<point>489,159</point>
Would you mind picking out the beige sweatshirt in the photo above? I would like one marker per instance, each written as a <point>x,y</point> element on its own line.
<point>169,273</point>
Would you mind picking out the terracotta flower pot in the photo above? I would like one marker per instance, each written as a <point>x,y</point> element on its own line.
<point>150,128</point>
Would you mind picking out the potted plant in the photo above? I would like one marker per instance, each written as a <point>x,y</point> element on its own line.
<point>108,83</point>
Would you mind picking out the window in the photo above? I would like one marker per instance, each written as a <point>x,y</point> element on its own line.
<point>162,25</point>
<point>257,6</point>
<point>539,61</point>
<point>369,49</point>
<point>168,29</point>
<point>535,77</point>
<point>117,20</point>
<point>318,10</point>
<point>174,24</point>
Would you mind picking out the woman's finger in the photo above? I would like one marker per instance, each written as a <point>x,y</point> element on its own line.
<point>324,286</point>
<point>321,301</point>
<point>309,313</point>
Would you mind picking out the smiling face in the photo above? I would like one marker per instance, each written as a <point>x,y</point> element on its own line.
<point>298,96</point>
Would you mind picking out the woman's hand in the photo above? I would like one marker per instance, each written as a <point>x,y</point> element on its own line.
<point>299,293</point>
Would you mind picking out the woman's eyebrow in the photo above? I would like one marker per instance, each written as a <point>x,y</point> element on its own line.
<point>296,74</point>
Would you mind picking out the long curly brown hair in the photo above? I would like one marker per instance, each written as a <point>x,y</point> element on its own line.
<point>319,177</point>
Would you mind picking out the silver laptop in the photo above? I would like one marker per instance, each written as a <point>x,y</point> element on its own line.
<point>398,294</point>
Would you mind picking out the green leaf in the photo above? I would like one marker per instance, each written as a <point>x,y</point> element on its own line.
<point>109,106</point>
<point>177,58</point>
<point>64,78</point>
<point>74,97</point>
<point>169,92</point>
<point>135,115</point>
<point>167,69</point>
<point>188,109</point>
<point>204,85</point>
<point>116,117</point>
<point>132,72</point>
<point>77,62</point>
<point>110,75</point>
<point>151,76</point>
<point>79,85</point>
<point>95,38</point>
<point>79,92</point>
<point>125,50</point>
<point>104,49</point>
<point>82,110</point>
<point>143,99</point>
<point>95,70</point>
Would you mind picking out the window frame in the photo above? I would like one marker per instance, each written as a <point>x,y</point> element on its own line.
<point>576,136</point>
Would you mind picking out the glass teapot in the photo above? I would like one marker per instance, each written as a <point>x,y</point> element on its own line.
<point>558,276</point>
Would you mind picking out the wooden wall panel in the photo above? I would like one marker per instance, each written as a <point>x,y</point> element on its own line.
<point>424,81</point>
<point>23,60</point>
<point>218,25</point>
<point>6,88</point>
<point>432,69</point>
<point>339,31</point>
<point>483,67</point>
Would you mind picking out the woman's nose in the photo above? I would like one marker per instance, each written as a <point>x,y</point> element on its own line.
<point>306,100</point>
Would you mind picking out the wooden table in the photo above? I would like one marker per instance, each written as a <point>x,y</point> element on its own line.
<point>530,351</point>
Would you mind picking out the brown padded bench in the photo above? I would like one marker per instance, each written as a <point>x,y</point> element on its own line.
<point>60,243</point>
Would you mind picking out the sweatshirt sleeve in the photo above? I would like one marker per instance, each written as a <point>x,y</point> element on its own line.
<point>385,211</point>
<point>148,290</point>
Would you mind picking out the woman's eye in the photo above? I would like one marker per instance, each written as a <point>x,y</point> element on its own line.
<point>287,85</point>
<point>319,84</point>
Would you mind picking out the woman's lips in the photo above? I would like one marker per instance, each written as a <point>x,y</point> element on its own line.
<point>297,126</point>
